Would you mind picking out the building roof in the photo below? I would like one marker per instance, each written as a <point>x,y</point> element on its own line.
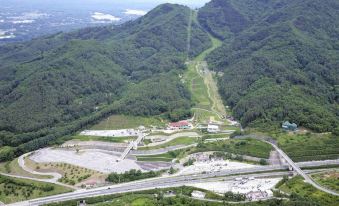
<point>179,124</point>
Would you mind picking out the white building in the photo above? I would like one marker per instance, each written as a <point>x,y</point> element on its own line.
<point>213,128</point>
<point>198,194</point>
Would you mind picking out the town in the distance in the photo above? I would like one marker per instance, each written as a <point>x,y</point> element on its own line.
<point>215,103</point>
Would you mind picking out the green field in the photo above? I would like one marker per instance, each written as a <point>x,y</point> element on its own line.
<point>203,116</point>
<point>305,192</point>
<point>13,168</point>
<point>177,141</point>
<point>13,189</point>
<point>197,86</point>
<point>328,179</point>
<point>103,139</point>
<point>167,157</point>
<point>250,147</point>
<point>310,146</point>
<point>126,122</point>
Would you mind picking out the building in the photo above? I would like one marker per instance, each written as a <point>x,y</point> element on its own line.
<point>257,195</point>
<point>180,125</point>
<point>213,128</point>
<point>198,194</point>
<point>289,126</point>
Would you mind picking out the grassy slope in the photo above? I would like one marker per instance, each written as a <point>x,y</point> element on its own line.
<point>201,86</point>
<point>13,168</point>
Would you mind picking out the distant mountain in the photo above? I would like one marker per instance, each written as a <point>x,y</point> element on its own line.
<point>279,59</point>
<point>51,87</point>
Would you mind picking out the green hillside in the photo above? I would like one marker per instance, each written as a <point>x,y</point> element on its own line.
<point>56,85</point>
<point>279,60</point>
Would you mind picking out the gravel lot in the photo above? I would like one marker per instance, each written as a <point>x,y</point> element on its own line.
<point>213,166</point>
<point>239,186</point>
<point>96,160</point>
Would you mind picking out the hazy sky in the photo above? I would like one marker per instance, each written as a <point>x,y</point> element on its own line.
<point>89,3</point>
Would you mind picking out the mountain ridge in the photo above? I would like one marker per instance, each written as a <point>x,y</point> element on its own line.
<point>277,68</point>
<point>54,86</point>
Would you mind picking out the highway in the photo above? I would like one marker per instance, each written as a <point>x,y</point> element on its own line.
<point>173,181</point>
<point>163,182</point>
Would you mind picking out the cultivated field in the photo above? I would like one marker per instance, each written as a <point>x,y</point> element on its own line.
<point>14,190</point>
<point>126,122</point>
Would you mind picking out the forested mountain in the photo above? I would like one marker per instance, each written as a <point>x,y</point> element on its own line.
<point>279,59</point>
<point>56,85</point>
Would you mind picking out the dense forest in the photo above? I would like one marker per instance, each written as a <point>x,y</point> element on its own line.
<point>54,86</point>
<point>279,60</point>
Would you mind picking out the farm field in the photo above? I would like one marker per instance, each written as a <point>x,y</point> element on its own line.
<point>328,179</point>
<point>302,190</point>
<point>103,139</point>
<point>71,174</point>
<point>250,147</point>
<point>309,146</point>
<point>13,189</point>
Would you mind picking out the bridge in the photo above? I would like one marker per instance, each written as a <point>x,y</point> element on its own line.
<point>132,145</point>
<point>297,169</point>
<point>291,164</point>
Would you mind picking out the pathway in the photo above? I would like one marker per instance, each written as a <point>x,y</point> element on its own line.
<point>55,176</point>
<point>132,144</point>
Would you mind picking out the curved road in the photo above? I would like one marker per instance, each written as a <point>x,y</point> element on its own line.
<point>56,176</point>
